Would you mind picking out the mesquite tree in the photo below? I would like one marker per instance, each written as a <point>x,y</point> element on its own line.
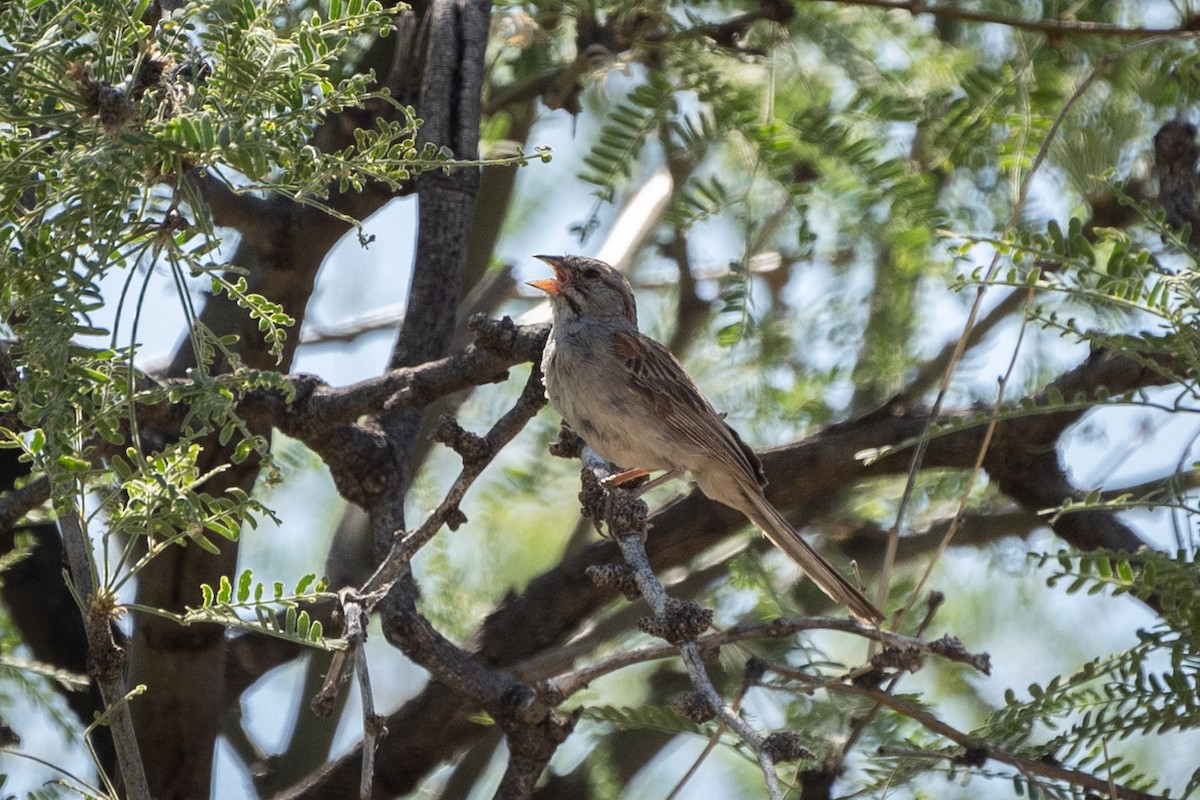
<point>849,217</point>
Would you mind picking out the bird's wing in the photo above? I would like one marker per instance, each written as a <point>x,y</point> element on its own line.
<point>660,381</point>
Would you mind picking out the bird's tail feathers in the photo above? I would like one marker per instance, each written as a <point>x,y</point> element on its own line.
<point>781,534</point>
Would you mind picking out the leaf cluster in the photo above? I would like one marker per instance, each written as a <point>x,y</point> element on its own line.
<point>251,606</point>
<point>1147,689</point>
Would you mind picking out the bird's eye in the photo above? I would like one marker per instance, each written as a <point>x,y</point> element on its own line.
<point>591,273</point>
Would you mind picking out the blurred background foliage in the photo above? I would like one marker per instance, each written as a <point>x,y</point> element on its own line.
<point>809,198</point>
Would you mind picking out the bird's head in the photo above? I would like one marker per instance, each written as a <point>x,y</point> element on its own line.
<point>585,286</point>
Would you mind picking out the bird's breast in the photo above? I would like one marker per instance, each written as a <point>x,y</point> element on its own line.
<point>589,388</point>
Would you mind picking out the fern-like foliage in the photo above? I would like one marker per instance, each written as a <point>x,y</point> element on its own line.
<point>877,175</point>
<point>250,606</point>
<point>1150,688</point>
<point>1109,288</point>
<point>656,718</point>
<point>630,123</point>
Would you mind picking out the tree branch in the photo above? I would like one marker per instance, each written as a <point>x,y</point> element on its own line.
<point>106,660</point>
<point>978,751</point>
<point>556,603</point>
<point>1051,27</point>
<point>679,622</point>
<point>16,503</point>
<point>318,408</point>
<point>567,684</point>
<point>476,453</point>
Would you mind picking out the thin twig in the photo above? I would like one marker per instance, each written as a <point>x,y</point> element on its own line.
<point>319,407</point>
<point>960,347</point>
<point>631,540</point>
<point>1047,769</point>
<point>1050,27</point>
<point>477,453</point>
<point>861,723</point>
<point>105,657</point>
<point>634,550</point>
<point>380,319</point>
<point>709,747</point>
<point>373,728</point>
<point>951,649</point>
<point>474,462</point>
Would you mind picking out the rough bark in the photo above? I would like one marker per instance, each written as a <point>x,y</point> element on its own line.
<point>522,634</point>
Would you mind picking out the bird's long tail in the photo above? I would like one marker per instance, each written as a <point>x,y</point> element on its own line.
<point>781,534</point>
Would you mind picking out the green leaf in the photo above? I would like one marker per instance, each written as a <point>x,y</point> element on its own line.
<point>73,464</point>
<point>244,583</point>
<point>243,449</point>
<point>225,592</point>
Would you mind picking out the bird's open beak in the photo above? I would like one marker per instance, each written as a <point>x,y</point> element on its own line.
<point>551,285</point>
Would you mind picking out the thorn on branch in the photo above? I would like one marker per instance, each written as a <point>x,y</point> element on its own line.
<point>682,621</point>
<point>616,576</point>
<point>786,746</point>
<point>472,447</point>
<point>693,706</point>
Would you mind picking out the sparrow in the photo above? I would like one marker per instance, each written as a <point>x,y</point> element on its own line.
<point>635,405</point>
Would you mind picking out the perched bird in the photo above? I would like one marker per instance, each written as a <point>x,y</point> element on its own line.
<point>636,406</point>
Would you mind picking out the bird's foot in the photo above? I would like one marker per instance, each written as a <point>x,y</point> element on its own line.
<point>624,477</point>
<point>632,476</point>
